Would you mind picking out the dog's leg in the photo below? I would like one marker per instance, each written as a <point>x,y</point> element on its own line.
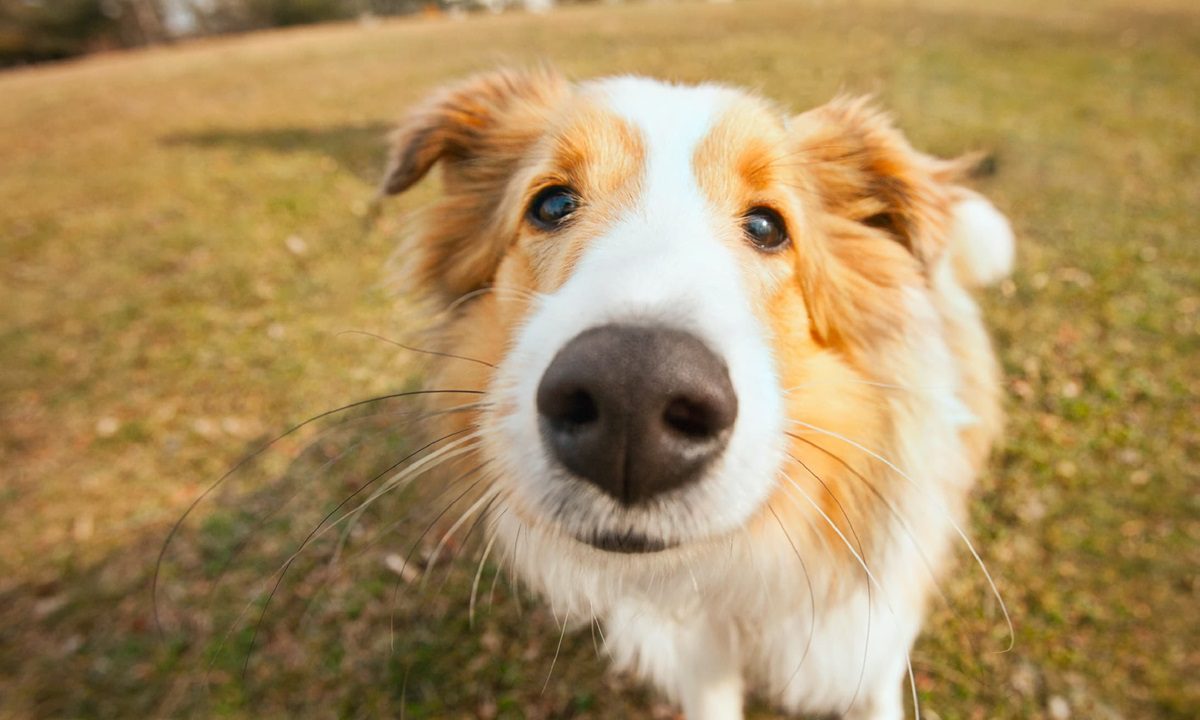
<point>884,701</point>
<point>693,660</point>
<point>710,673</point>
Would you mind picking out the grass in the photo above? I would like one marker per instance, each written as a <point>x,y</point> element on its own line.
<point>183,239</point>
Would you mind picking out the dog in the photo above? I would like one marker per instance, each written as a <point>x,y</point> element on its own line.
<point>733,388</point>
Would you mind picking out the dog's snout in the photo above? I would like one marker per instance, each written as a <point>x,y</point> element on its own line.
<point>636,411</point>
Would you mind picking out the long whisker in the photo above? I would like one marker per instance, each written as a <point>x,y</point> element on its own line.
<point>592,628</point>
<point>246,460</point>
<point>282,573</point>
<point>261,522</point>
<point>480,518</point>
<point>554,661</point>
<point>487,551</point>
<point>890,507</point>
<point>467,297</point>
<point>812,602</point>
<point>413,549</point>
<point>1012,637</point>
<point>401,479</point>
<point>391,526</point>
<point>411,348</point>
<point>485,499</point>
<point>833,526</point>
<point>867,642</point>
<point>341,541</point>
<point>379,538</point>
<point>600,629</point>
<point>514,578</point>
<point>912,683</point>
<point>873,383</point>
<point>404,693</point>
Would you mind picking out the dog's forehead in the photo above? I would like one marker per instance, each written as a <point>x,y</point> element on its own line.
<point>670,117</point>
<point>672,122</point>
<point>691,135</point>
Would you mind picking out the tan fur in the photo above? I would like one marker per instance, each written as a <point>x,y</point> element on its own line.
<point>867,215</point>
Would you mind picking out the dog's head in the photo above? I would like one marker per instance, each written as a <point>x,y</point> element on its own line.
<point>681,295</point>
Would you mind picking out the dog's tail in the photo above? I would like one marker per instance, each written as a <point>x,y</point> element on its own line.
<point>982,246</point>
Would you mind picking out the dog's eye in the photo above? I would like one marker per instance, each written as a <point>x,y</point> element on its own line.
<point>765,229</point>
<point>552,206</point>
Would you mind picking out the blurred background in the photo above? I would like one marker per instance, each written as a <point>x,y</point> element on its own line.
<point>186,239</point>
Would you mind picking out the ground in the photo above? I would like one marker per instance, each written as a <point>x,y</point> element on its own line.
<point>185,236</point>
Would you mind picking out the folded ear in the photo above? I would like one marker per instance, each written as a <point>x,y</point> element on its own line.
<point>493,115</point>
<point>865,171</point>
<point>480,132</point>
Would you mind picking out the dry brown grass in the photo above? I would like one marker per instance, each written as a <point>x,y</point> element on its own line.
<point>157,321</point>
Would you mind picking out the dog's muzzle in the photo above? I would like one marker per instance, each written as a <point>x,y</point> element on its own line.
<point>636,411</point>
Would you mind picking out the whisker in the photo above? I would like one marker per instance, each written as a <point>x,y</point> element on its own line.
<point>413,549</point>
<point>833,526</point>
<point>485,499</point>
<point>487,551</point>
<point>890,506</point>
<point>316,531</point>
<point>554,660</point>
<point>1012,637</point>
<point>480,518</point>
<point>261,522</point>
<point>912,683</point>
<point>499,572</point>
<point>812,602</point>
<point>467,297</point>
<point>867,642</point>
<point>404,692</point>
<point>375,541</point>
<point>592,627</point>
<point>341,540</point>
<point>600,629</point>
<point>872,383</point>
<point>245,461</point>
<point>514,578</point>
<point>403,477</point>
<point>411,348</point>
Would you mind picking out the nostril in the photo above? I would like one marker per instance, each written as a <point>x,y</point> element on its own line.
<point>692,419</point>
<point>577,408</point>
<point>635,411</point>
<point>567,405</point>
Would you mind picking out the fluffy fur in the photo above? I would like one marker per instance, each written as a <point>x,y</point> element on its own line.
<point>800,565</point>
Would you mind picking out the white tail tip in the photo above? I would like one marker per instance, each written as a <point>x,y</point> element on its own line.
<point>982,242</point>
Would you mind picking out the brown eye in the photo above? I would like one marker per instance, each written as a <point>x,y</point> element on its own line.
<point>552,206</point>
<point>765,229</point>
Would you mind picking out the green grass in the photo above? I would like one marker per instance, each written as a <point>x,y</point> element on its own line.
<point>156,322</point>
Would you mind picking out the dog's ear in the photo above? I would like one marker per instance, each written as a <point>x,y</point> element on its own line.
<point>866,172</point>
<point>494,115</point>
<point>480,132</point>
<point>881,201</point>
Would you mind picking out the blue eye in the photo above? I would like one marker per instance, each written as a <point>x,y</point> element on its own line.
<point>552,206</point>
<point>765,229</point>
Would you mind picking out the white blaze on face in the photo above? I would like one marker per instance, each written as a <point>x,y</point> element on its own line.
<point>668,262</point>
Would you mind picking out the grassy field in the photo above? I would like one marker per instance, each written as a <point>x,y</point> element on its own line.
<point>183,241</point>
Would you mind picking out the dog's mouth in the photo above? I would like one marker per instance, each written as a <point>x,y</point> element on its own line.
<point>626,543</point>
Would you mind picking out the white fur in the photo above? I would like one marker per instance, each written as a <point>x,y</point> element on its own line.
<point>703,620</point>
<point>982,242</point>
<point>663,264</point>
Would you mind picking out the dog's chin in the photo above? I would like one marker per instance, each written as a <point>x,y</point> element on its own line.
<point>626,543</point>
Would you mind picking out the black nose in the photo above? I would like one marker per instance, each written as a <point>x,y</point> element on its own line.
<point>636,411</point>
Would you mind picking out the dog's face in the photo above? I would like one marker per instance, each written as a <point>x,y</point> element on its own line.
<point>674,286</point>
